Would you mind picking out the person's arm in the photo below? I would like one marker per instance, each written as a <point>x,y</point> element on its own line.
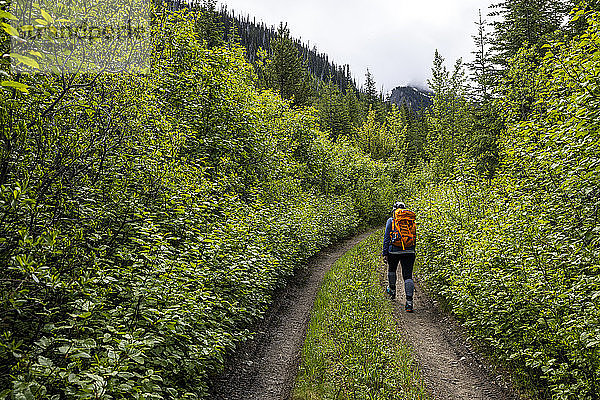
<point>386,238</point>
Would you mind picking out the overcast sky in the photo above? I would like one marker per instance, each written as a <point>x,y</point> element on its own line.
<point>395,39</point>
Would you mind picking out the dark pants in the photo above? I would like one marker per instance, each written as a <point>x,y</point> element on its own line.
<point>407,262</point>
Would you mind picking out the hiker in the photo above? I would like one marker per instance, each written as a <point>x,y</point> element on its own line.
<point>399,248</point>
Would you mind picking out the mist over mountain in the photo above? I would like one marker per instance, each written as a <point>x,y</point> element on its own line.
<point>414,98</point>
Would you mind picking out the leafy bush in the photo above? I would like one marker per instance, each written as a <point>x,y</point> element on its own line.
<point>518,261</point>
<point>145,220</point>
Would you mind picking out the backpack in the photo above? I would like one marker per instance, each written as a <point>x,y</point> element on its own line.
<point>404,229</point>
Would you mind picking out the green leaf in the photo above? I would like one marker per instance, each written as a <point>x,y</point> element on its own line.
<point>15,85</point>
<point>47,16</point>
<point>45,362</point>
<point>64,349</point>
<point>11,30</point>
<point>577,15</point>
<point>25,60</point>
<point>7,15</point>
<point>138,359</point>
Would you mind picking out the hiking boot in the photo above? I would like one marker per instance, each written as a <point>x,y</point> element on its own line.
<point>409,306</point>
<point>391,292</point>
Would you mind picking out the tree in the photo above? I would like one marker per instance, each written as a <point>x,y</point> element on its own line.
<point>370,88</point>
<point>581,10</point>
<point>353,105</point>
<point>209,26</point>
<point>377,140</point>
<point>518,87</point>
<point>524,23</point>
<point>286,71</point>
<point>416,134</point>
<point>333,112</point>
<point>483,147</point>
<point>449,116</point>
<point>371,98</point>
<point>438,136</point>
<point>481,68</point>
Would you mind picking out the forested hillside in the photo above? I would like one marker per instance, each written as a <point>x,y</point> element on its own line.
<point>147,218</point>
<point>224,24</point>
<point>411,97</point>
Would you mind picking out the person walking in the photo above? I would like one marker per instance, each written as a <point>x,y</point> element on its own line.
<point>399,243</point>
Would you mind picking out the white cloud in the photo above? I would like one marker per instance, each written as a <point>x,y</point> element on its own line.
<point>395,39</point>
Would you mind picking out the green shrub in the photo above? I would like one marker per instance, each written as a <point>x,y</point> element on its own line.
<point>145,220</point>
<point>518,260</point>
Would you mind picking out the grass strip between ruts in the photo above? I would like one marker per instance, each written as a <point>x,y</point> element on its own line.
<point>353,349</point>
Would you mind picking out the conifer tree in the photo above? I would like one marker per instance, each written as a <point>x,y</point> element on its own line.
<point>209,25</point>
<point>416,134</point>
<point>370,88</point>
<point>286,71</point>
<point>483,145</point>
<point>438,135</point>
<point>353,106</point>
<point>524,23</point>
<point>333,112</point>
<point>482,68</point>
<point>449,116</point>
<point>371,98</point>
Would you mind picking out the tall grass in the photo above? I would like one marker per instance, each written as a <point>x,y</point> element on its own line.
<point>353,349</point>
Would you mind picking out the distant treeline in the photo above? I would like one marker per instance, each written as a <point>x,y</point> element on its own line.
<point>255,35</point>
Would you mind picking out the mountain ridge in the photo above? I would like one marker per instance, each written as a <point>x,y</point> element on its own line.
<point>412,97</point>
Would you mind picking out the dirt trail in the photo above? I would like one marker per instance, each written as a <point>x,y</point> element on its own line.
<point>449,366</point>
<point>266,366</point>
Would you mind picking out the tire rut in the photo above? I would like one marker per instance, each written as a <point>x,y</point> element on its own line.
<point>450,368</point>
<point>265,367</point>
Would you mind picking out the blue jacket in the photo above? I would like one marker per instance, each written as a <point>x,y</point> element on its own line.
<point>389,248</point>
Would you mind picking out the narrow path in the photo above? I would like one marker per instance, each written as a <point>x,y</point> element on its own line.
<point>449,366</point>
<point>265,368</point>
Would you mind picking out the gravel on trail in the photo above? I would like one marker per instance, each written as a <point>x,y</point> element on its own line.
<point>449,365</point>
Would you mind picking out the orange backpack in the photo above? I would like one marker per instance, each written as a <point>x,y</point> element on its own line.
<point>404,229</point>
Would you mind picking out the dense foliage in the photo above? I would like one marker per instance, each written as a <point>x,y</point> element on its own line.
<point>145,220</point>
<point>518,260</point>
<point>352,348</point>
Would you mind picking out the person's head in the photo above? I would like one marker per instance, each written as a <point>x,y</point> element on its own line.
<point>398,205</point>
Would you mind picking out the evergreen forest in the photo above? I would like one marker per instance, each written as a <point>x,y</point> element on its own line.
<point>148,216</point>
